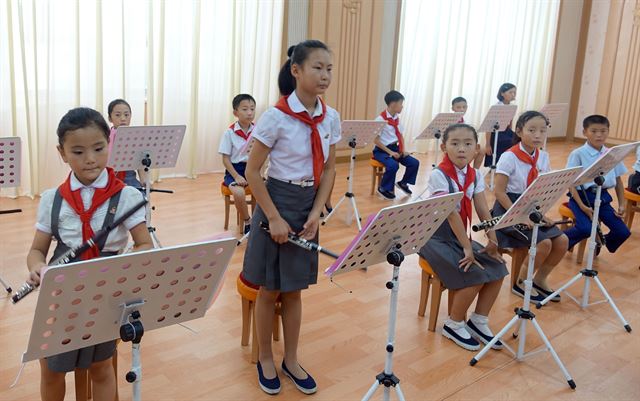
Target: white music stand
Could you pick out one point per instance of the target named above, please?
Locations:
(390, 235)
(355, 134)
(91, 302)
(539, 197)
(553, 111)
(497, 119)
(10, 160)
(145, 148)
(595, 173)
(436, 127)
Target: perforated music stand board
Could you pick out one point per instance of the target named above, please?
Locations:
(540, 196)
(440, 123)
(409, 224)
(605, 163)
(81, 304)
(132, 144)
(498, 113)
(10, 158)
(363, 131)
(554, 110)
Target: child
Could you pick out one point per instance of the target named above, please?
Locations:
(390, 151)
(506, 95)
(464, 266)
(119, 113)
(299, 136)
(91, 188)
(516, 170)
(234, 139)
(581, 199)
(634, 179)
(459, 105)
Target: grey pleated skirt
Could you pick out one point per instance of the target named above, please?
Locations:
(443, 252)
(284, 267)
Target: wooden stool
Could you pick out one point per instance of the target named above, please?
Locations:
(632, 206)
(83, 380)
(518, 255)
(376, 174)
(248, 292)
(566, 213)
(228, 201)
(430, 280)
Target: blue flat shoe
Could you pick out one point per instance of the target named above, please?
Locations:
(269, 386)
(307, 386)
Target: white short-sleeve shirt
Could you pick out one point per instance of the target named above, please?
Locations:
(388, 133)
(69, 224)
(517, 170)
(290, 139)
(438, 184)
(232, 144)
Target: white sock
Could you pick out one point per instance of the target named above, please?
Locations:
(458, 328)
(482, 323)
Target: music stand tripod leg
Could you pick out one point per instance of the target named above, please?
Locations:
(494, 157)
(349, 194)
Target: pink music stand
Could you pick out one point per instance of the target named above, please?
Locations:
(356, 134)
(146, 147)
(91, 302)
(436, 128)
(10, 159)
(553, 111)
(530, 208)
(497, 119)
(390, 235)
(595, 173)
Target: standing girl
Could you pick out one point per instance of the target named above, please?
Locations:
(299, 136)
(119, 113)
(516, 170)
(71, 213)
(464, 266)
(506, 95)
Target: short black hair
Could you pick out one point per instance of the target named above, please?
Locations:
(453, 127)
(503, 88)
(458, 99)
(81, 117)
(595, 119)
(239, 98)
(116, 102)
(393, 96)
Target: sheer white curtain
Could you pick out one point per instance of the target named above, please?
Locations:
(186, 59)
(469, 48)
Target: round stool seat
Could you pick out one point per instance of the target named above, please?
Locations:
(374, 163)
(246, 289)
(565, 211)
(424, 265)
(632, 196)
(227, 192)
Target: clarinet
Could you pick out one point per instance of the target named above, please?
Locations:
(485, 225)
(303, 243)
(74, 253)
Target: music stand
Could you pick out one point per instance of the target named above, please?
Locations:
(595, 173)
(552, 111)
(355, 134)
(10, 159)
(144, 148)
(91, 302)
(497, 119)
(539, 197)
(436, 127)
(390, 235)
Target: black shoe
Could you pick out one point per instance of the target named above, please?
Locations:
(520, 292)
(546, 293)
(386, 194)
(307, 386)
(404, 187)
(485, 339)
(269, 386)
(470, 343)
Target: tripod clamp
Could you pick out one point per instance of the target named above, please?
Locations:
(132, 330)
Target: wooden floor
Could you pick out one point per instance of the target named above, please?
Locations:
(344, 334)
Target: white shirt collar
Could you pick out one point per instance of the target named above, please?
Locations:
(463, 170)
(390, 116)
(297, 107)
(525, 150)
(100, 182)
(593, 151)
(238, 127)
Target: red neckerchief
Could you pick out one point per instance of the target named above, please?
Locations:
(394, 123)
(101, 195)
(316, 142)
(240, 132)
(527, 158)
(449, 169)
